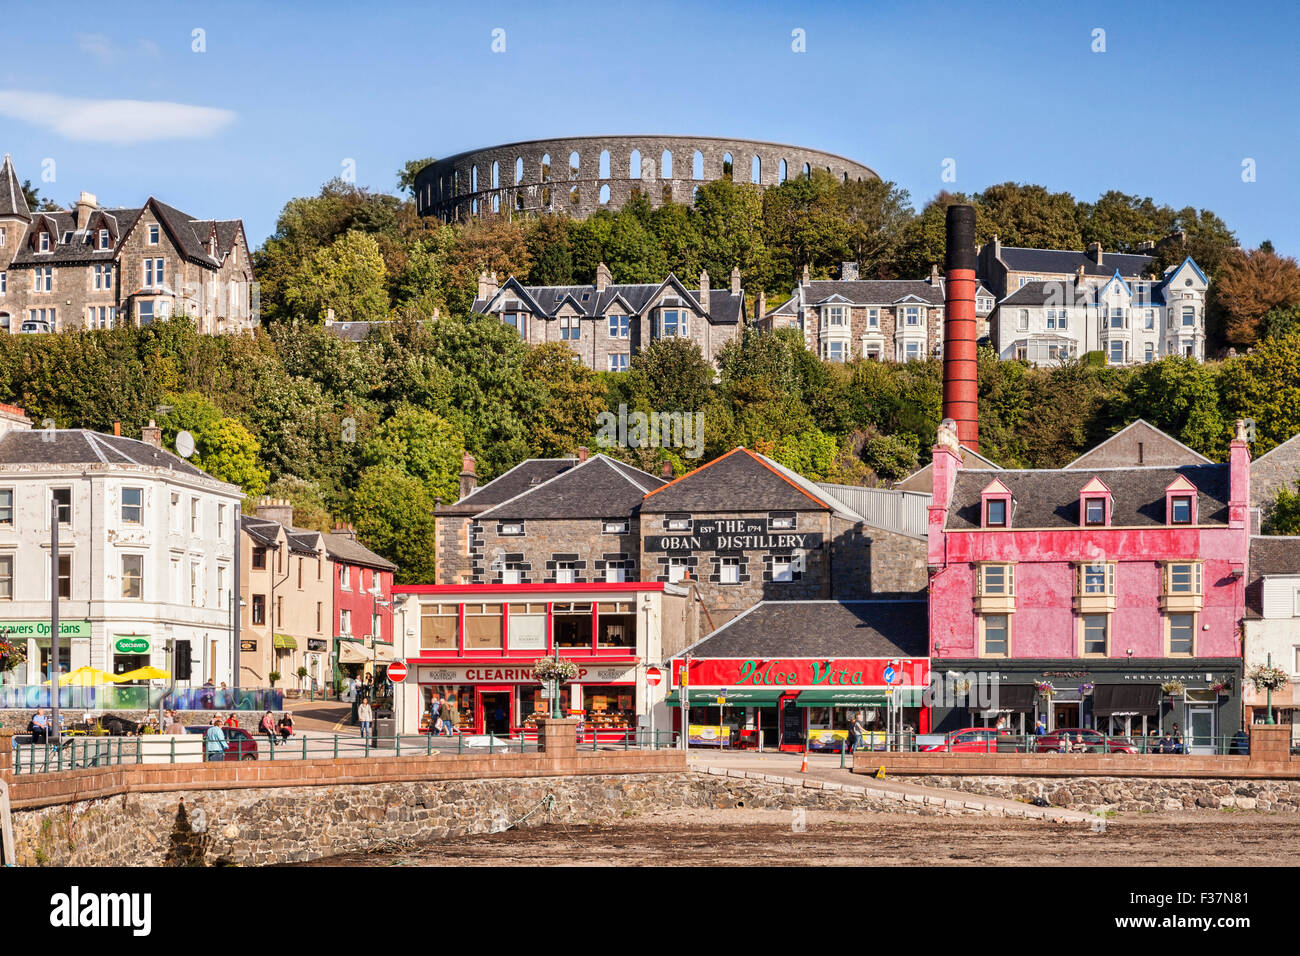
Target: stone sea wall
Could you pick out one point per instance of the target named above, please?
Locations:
(1132, 794)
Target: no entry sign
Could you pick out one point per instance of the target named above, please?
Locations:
(397, 671)
(653, 676)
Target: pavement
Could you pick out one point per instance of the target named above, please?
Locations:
(824, 772)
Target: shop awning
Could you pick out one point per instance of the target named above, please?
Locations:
(1009, 698)
(738, 698)
(352, 653)
(285, 642)
(867, 697)
(1124, 700)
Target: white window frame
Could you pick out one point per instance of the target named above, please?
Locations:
(619, 361)
(154, 234)
(619, 326)
(139, 508)
(783, 567)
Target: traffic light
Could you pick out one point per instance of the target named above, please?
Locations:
(182, 668)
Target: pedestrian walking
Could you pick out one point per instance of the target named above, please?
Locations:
(174, 725)
(435, 715)
(364, 716)
(214, 741)
(450, 716)
(856, 732)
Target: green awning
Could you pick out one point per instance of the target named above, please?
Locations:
(286, 642)
(867, 697)
(737, 698)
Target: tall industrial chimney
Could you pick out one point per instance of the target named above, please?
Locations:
(960, 371)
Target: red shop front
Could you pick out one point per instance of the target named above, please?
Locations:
(793, 703)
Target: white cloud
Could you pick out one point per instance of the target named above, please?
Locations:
(114, 121)
(109, 52)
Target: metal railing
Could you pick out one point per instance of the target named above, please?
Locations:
(1054, 743)
(101, 751)
(111, 697)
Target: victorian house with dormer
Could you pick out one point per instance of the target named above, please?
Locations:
(95, 268)
(605, 324)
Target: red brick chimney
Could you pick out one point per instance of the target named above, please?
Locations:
(582, 453)
(468, 479)
(152, 434)
(667, 471)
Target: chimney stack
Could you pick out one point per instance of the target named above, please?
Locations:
(86, 204)
(279, 510)
(704, 289)
(848, 272)
(735, 280)
(582, 453)
(1094, 252)
(667, 471)
(117, 429)
(468, 480)
(152, 434)
(487, 284)
(344, 530)
(960, 369)
(761, 307)
(807, 275)
(604, 278)
(934, 275)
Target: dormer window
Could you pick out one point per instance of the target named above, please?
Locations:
(44, 242)
(995, 505)
(1094, 504)
(1180, 502)
(103, 238)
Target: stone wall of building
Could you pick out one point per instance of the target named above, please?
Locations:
(1273, 471)
(451, 536)
(871, 562)
(539, 176)
(545, 542)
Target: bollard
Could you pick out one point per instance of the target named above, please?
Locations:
(336, 746)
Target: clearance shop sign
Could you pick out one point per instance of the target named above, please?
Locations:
(803, 673)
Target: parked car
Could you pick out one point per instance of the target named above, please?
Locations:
(34, 326)
(240, 744)
(1084, 740)
(968, 741)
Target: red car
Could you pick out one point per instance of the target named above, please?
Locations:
(969, 741)
(1083, 740)
(240, 744)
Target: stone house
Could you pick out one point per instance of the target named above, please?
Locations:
(898, 320)
(95, 268)
(1272, 627)
(606, 324)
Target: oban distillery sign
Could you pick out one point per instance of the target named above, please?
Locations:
(733, 534)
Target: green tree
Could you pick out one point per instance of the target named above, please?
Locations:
(633, 253)
(309, 508)
(572, 395)
(223, 447)
(422, 445)
(1265, 386)
(410, 169)
(1284, 516)
(730, 222)
(347, 276)
(671, 375)
(1180, 396)
(892, 457)
(548, 247)
(393, 514)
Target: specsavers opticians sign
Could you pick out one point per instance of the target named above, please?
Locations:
(131, 644)
(39, 629)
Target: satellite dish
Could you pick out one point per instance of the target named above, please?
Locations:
(184, 444)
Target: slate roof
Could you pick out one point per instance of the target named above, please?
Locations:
(822, 629)
(923, 478)
(1068, 292)
(262, 530)
(1049, 498)
(353, 331)
(349, 550)
(303, 541)
(12, 200)
(79, 446)
(724, 307)
(597, 488)
(876, 292)
(1067, 262)
(1269, 555)
(526, 474)
(741, 480)
(1161, 445)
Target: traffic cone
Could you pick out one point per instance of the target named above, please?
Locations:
(803, 767)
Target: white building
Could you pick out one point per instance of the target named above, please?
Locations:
(1272, 626)
(146, 550)
(1130, 321)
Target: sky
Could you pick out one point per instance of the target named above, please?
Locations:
(228, 110)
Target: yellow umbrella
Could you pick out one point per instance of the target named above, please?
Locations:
(84, 676)
(148, 672)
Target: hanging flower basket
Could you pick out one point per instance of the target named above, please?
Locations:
(961, 687)
(554, 669)
(1046, 689)
(1267, 677)
(1086, 689)
(1173, 688)
(11, 655)
(1223, 686)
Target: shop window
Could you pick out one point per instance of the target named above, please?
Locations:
(609, 708)
(461, 696)
(616, 624)
(527, 624)
(572, 625)
(438, 627)
(483, 630)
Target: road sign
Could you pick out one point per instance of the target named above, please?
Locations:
(889, 675)
(397, 671)
(653, 676)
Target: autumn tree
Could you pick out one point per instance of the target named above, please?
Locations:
(1248, 287)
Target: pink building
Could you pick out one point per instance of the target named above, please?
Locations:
(1121, 588)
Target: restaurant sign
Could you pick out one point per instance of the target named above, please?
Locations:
(21, 630)
(520, 674)
(732, 534)
(803, 673)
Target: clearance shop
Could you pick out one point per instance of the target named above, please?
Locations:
(475, 645)
(788, 704)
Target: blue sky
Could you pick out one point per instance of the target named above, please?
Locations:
(286, 92)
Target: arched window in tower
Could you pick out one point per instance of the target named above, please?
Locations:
(780, 172)
(756, 171)
(697, 165)
(546, 167)
(727, 166)
(666, 165)
(519, 170)
(574, 164)
(473, 179)
(496, 175)
(634, 165)
(604, 195)
(604, 164)
(807, 171)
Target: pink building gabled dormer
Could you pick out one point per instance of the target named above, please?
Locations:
(995, 505)
(1094, 504)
